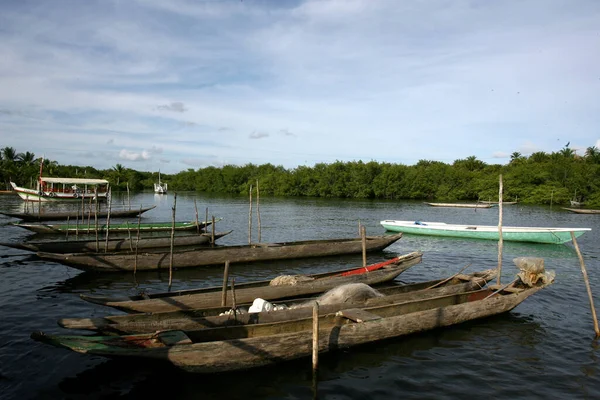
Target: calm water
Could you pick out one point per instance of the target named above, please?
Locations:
(542, 349)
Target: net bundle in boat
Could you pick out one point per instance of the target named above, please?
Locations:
(289, 280)
(532, 271)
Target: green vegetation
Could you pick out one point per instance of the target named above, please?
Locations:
(537, 179)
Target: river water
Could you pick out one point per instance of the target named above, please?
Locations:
(545, 348)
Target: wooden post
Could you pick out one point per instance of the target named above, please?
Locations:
(172, 240)
(82, 208)
(67, 236)
(96, 219)
(205, 219)
(233, 304)
(500, 238)
(250, 219)
(89, 214)
(128, 199)
(363, 236)
(212, 236)
(315, 338)
(108, 220)
(587, 284)
(197, 222)
(129, 236)
(77, 225)
(225, 281)
(137, 241)
(258, 211)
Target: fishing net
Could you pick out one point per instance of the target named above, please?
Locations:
(532, 271)
(289, 280)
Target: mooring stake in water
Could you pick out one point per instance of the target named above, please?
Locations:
(587, 284)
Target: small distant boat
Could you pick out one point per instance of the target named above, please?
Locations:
(506, 203)
(575, 203)
(64, 189)
(582, 210)
(132, 227)
(160, 188)
(509, 233)
(461, 205)
(57, 216)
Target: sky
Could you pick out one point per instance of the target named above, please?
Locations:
(176, 84)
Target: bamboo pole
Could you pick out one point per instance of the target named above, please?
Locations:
(129, 236)
(96, 220)
(205, 219)
(137, 242)
(233, 303)
(128, 199)
(363, 236)
(82, 209)
(197, 222)
(89, 214)
(587, 285)
(250, 218)
(225, 281)
(315, 338)
(108, 220)
(258, 211)
(212, 236)
(172, 240)
(77, 225)
(500, 238)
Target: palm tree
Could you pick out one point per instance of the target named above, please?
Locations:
(593, 154)
(118, 171)
(567, 152)
(27, 158)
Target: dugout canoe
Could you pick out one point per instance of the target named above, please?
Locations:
(210, 317)
(247, 292)
(461, 205)
(114, 262)
(154, 244)
(73, 215)
(582, 210)
(243, 346)
(81, 229)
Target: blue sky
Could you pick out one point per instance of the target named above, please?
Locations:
(177, 84)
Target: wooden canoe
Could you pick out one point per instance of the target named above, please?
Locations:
(210, 317)
(75, 228)
(247, 292)
(245, 346)
(461, 205)
(73, 215)
(582, 210)
(114, 262)
(154, 244)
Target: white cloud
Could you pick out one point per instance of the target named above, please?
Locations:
(357, 79)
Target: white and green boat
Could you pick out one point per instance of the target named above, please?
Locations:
(509, 233)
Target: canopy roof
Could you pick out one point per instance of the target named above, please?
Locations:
(77, 181)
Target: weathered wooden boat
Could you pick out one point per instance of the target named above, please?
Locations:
(154, 244)
(246, 346)
(213, 316)
(582, 210)
(509, 233)
(160, 187)
(460, 205)
(122, 227)
(73, 215)
(113, 262)
(246, 292)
